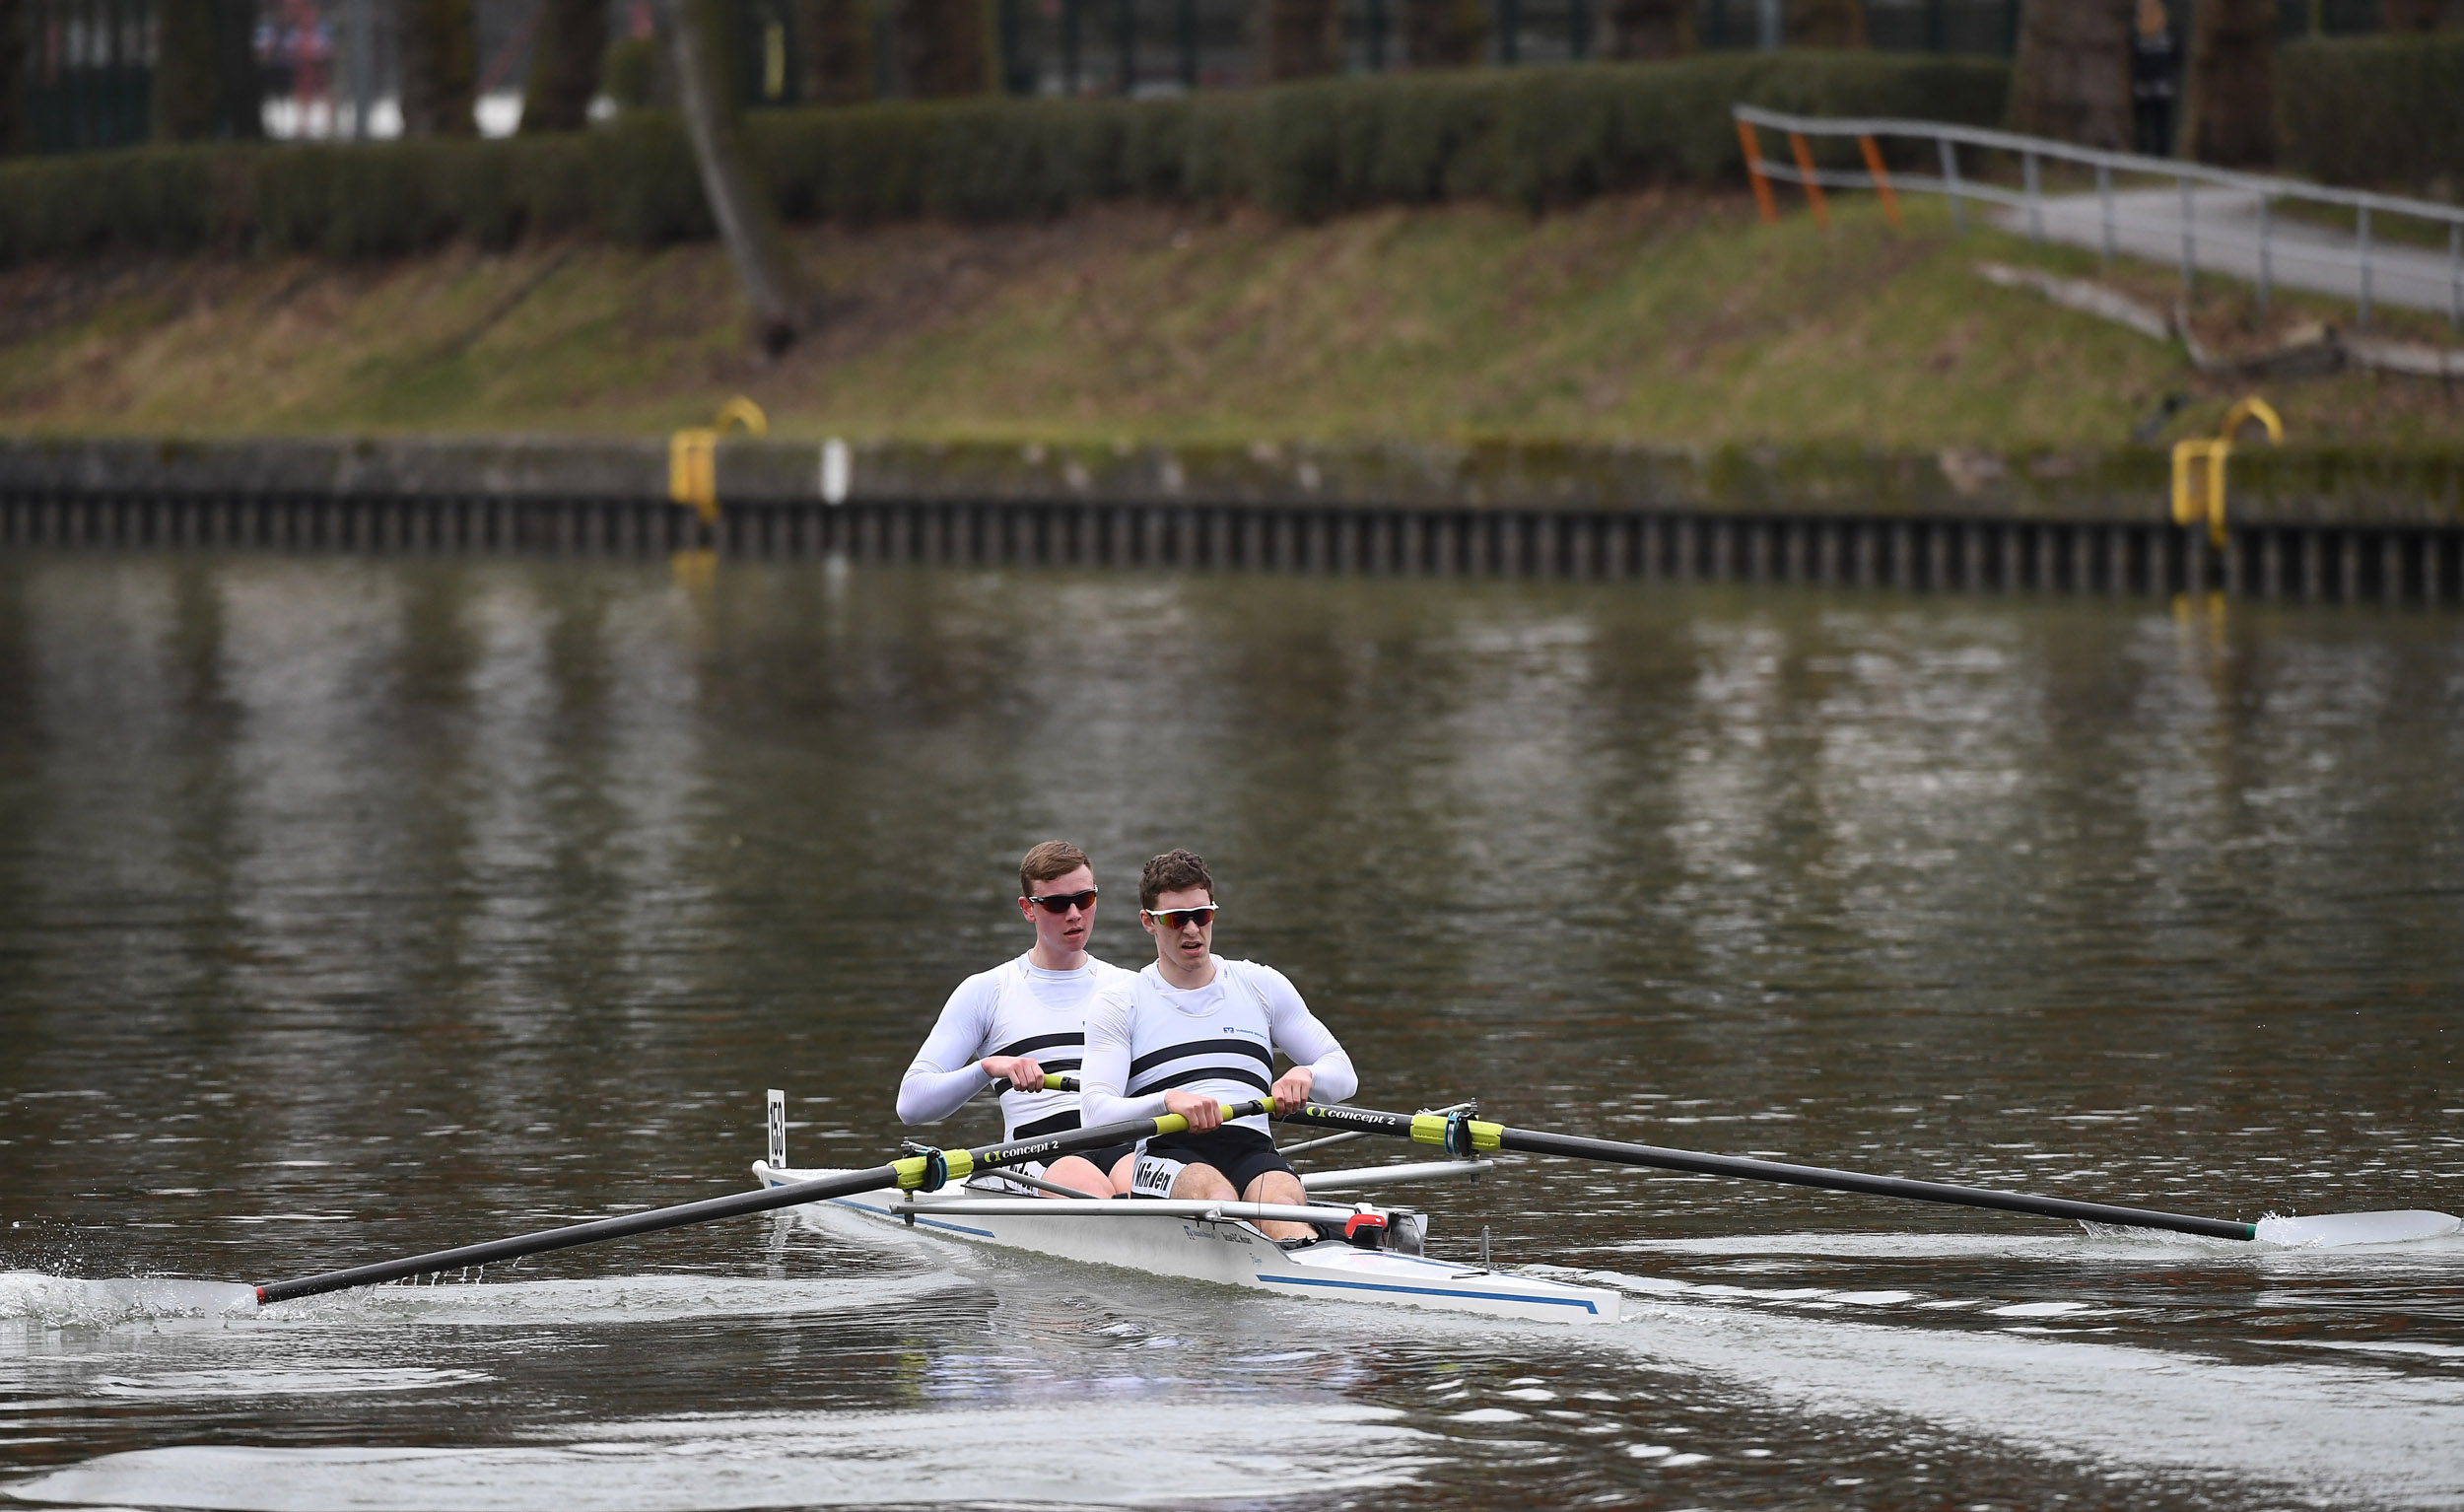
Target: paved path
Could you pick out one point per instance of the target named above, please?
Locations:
(2224, 238)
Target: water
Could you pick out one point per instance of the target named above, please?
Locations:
(350, 909)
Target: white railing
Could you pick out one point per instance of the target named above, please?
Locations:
(2361, 266)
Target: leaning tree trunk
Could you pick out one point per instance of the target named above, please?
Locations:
(440, 54)
(946, 46)
(2073, 76)
(565, 65)
(1444, 33)
(837, 61)
(1298, 39)
(1825, 22)
(2231, 113)
(1650, 29)
(747, 223)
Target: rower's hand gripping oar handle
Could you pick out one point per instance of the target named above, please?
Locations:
(919, 1170)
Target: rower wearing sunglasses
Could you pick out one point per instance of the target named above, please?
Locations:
(1193, 1031)
(1009, 1026)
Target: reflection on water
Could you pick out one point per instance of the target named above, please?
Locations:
(348, 909)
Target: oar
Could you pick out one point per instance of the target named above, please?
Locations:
(926, 1170)
(1463, 1136)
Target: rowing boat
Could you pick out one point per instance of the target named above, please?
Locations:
(1220, 1242)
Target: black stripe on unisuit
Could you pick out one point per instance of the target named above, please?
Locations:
(1214, 1047)
(1034, 1043)
(1182, 1078)
(1057, 1124)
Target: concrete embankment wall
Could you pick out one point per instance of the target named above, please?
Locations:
(2315, 523)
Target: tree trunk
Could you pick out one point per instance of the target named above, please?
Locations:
(1444, 33)
(838, 52)
(2411, 15)
(2073, 76)
(747, 221)
(565, 65)
(2231, 82)
(17, 127)
(186, 93)
(1297, 39)
(1826, 22)
(1650, 29)
(946, 46)
(439, 53)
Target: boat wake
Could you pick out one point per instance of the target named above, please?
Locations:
(61, 1301)
(1010, 1456)
(2341, 1431)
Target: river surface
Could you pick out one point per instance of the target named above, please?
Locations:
(352, 909)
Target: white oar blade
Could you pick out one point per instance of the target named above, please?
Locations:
(2340, 1228)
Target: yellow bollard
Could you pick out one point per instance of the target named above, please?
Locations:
(693, 457)
(2194, 495)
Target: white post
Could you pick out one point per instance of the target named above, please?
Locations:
(1950, 182)
(2455, 275)
(2190, 256)
(2035, 213)
(2265, 267)
(1770, 26)
(2105, 207)
(2362, 223)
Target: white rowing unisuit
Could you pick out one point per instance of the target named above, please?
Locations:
(1218, 1040)
(1018, 1008)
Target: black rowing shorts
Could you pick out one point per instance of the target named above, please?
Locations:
(1102, 1159)
(1241, 1154)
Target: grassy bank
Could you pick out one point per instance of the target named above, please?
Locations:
(1668, 316)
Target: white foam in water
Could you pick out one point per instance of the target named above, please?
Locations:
(330, 1381)
(2348, 1432)
(1008, 1454)
(2345, 1228)
(67, 1301)
(617, 1299)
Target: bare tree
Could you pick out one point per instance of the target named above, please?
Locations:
(1650, 29)
(564, 63)
(1826, 22)
(1297, 39)
(2072, 78)
(204, 72)
(439, 58)
(747, 221)
(837, 60)
(1444, 33)
(946, 46)
(2233, 82)
(2412, 15)
(16, 129)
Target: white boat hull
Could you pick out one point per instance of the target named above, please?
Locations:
(1225, 1251)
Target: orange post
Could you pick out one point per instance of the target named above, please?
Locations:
(1754, 170)
(1882, 181)
(1814, 190)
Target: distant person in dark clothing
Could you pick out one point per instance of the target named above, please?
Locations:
(2156, 68)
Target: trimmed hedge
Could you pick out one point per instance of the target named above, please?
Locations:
(2372, 109)
(1533, 137)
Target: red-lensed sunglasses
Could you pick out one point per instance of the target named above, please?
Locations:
(1064, 902)
(1182, 918)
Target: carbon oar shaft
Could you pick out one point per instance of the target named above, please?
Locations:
(1478, 1136)
(909, 1170)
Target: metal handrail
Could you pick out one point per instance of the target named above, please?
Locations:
(2032, 151)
